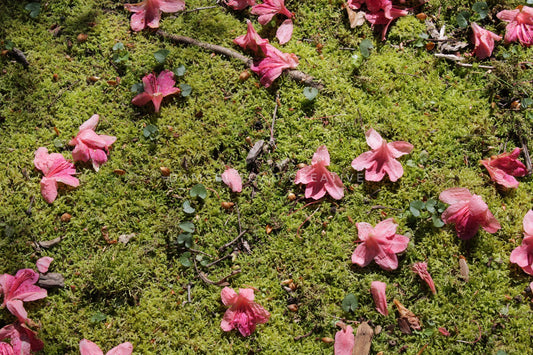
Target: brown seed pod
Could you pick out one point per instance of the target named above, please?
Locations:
(327, 340)
(164, 171)
(463, 268)
(65, 217)
(82, 37)
(291, 196)
(227, 205)
(293, 307)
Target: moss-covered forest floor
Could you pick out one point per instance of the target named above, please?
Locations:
(148, 291)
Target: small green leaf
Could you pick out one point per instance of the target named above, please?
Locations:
(137, 88)
(150, 131)
(349, 303)
(481, 8)
(98, 317)
(199, 257)
(185, 261)
(526, 102)
(441, 207)
(310, 93)
(34, 8)
(411, 163)
(180, 70)
(187, 208)
(462, 18)
(185, 90)
(437, 222)
(118, 46)
(204, 262)
(503, 352)
(182, 238)
(161, 55)
(415, 207)
(430, 205)
(365, 47)
(187, 226)
(198, 190)
(423, 157)
(58, 143)
(9, 45)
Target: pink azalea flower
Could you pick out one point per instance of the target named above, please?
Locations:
(504, 167)
(243, 314)
(483, 41)
(267, 10)
(421, 269)
(272, 65)
(377, 289)
(55, 169)
(383, 13)
(232, 178)
(6, 349)
(156, 88)
(22, 339)
(239, 4)
(468, 212)
(91, 146)
(379, 243)
(344, 341)
(87, 347)
(523, 255)
(18, 289)
(520, 26)
(251, 41)
(355, 4)
(148, 12)
(318, 178)
(44, 263)
(381, 159)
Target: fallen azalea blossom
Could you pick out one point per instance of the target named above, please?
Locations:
(381, 159)
(251, 40)
(91, 146)
(87, 347)
(18, 289)
(483, 41)
(239, 4)
(379, 243)
(244, 314)
(155, 89)
(232, 178)
(523, 255)
(382, 12)
(520, 26)
(55, 169)
(148, 12)
(344, 340)
(22, 339)
(6, 349)
(267, 10)
(468, 212)
(377, 289)
(44, 263)
(421, 269)
(272, 65)
(504, 167)
(318, 178)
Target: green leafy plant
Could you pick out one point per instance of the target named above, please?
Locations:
(150, 132)
(161, 55)
(180, 70)
(198, 190)
(431, 209)
(349, 303)
(120, 55)
(481, 8)
(185, 90)
(365, 47)
(310, 93)
(34, 8)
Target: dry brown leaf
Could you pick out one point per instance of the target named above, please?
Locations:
(409, 316)
(363, 339)
(463, 268)
(356, 18)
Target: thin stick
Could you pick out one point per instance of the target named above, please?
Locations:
(233, 241)
(218, 260)
(304, 206)
(238, 218)
(307, 219)
(198, 9)
(200, 252)
(526, 154)
(271, 142)
(189, 292)
(299, 337)
(32, 200)
(295, 75)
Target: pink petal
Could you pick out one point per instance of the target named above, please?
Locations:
(150, 84)
(98, 157)
(344, 341)
(228, 296)
(171, 5)
(362, 255)
(91, 139)
(321, 156)
(142, 99)
(16, 307)
(49, 189)
(421, 270)
(305, 175)
(166, 82)
(284, 32)
(528, 223)
(315, 190)
(44, 263)
(24, 288)
(386, 228)
(373, 139)
(156, 100)
(377, 288)
(520, 255)
(251, 40)
(364, 230)
(387, 260)
(41, 159)
(91, 123)
(6, 349)
(394, 169)
(239, 4)
(260, 314)
(81, 152)
(247, 294)
(454, 195)
(399, 148)
(232, 178)
(364, 161)
(153, 15)
(138, 21)
(68, 180)
(122, 349)
(507, 15)
(398, 243)
(227, 321)
(334, 186)
(87, 347)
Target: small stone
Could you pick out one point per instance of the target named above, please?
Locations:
(164, 171)
(291, 196)
(254, 152)
(244, 75)
(227, 205)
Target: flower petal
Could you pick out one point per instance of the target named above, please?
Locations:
(284, 32)
(91, 123)
(373, 139)
(454, 195)
(44, 263)
(122, 349)
(87, 347)
(344, 341)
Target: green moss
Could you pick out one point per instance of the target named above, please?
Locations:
(137, 292)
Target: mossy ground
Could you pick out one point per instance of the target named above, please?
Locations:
(453, 116)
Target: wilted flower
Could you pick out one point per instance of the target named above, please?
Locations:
(523, 255)
(468, 212)
(251, 40)
(483, 41)
(232, 178)
(87, 347)
(377, 289)
(318, 178)
(520, 26)
(381, 159)
(55, 169)
(244, 314)
(239, 4)
(156, 88)
(18, 289)
(421, 269)
(504, 167)
(22, 339)
(344, 340)
(267, 10)
(91, 146)
(379, 243)
(272, 65)
(148, 12)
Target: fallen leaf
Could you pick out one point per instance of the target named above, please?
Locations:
(409, 316)
(125, 238)
(363, 339)
(463, 268)
(356, 18)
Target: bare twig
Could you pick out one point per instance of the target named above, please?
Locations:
(222, 282)
(60, 93)
(304, 206)
(28, 211)
(219, 260)
(299, 337)
(526, 154)
(198, 9)
(293, 74)
(233, 241)
(189, 292)
(458, 60)
(380, 207)
(271, 142)
(307, 219)
(200, 252)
